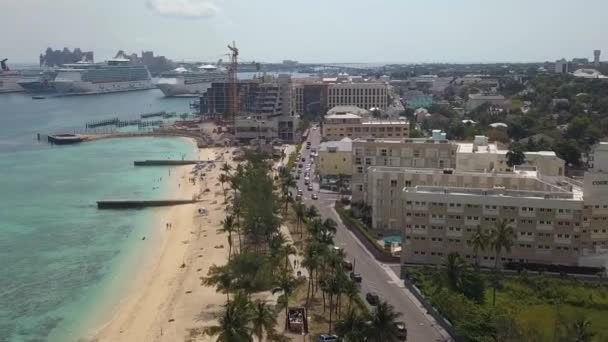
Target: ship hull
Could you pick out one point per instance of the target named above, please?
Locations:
(37, 87)
(8, 84)
(178, 89)
(89, 88)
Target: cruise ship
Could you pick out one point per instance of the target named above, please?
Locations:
(184, 82)
(116, 75)
(39, 82)
(8, 79)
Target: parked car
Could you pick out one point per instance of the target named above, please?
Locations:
(310, 187)
(298, 197)
(401, 330)
(356, 277)
(327, 338)
(300, 166)
(300, 192)
(297, 176)
(347, 265)
(315, 196)
(372, 298)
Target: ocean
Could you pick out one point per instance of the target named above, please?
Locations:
(60, 257)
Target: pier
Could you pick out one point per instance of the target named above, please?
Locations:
(138, 204)
(168, 162)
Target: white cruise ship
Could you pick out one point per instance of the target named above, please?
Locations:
(184, 82)
(9, 79)
(117, 75)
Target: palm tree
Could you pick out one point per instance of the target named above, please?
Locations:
(502, 238)
(312, 212)
(382, 324)
(223, 179)
(300, 211)
(351, 291)
(454, 269)
(228, 226)
(233, 322)
(480, 241)
(286, 283)
(222, 278)
(311, 261)
(352, 327)
(226, 168)
(263, 320)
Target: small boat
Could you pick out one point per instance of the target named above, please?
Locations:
(37, 97)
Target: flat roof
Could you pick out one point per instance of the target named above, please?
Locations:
(344, 145)
(385, 122)
(343, 116)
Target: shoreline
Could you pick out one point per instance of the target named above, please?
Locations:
(159, 303)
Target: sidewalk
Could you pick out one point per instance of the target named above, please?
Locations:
(292, 258)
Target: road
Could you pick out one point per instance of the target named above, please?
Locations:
(377, 277)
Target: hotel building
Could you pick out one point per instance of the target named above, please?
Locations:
(338, 126)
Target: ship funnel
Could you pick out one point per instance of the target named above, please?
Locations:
(3, 64)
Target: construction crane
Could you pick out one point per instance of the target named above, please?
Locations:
(233, 101)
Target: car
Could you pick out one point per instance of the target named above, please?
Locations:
(300, 166)
(327, 338)
(356, 277)
(308, 147)
(306, 181)
(303, 159)
(313, 150)
(372, 298)
(299, 172)
(310, 187)
(347, 265)
(300, 192)
(308, 143)
(309, 165)
(401, 330)
(315, 196)
(314, 128)
(297, 175)
(298, 197)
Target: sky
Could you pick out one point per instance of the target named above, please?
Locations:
(339, 31)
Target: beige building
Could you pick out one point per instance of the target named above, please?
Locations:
(559, 223)
(335, 158)
(435, 152)
(338, 126)
(486, 157)
(361, 94)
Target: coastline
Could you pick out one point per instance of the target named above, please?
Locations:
(164, 298)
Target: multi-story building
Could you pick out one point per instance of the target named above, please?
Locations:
(487, 157)
(335, 158)
(338, 126)
(361, 94)
(476, 100)
(435, 152)
(559, 223)
(562, 66)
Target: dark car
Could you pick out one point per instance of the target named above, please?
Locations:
(372, 298)
(356, 277)
(327, 338)
(300, 165)
(347, 265)
(401, 330)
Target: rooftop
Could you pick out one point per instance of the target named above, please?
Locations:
(342, 116)
(344, 145)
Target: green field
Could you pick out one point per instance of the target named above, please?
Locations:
(539, 308)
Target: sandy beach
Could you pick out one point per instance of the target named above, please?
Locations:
(166, 297)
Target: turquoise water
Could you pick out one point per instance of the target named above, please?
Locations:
(392, 239)
(59, 255)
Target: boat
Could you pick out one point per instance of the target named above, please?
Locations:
(185, 82)
(39, 82)
(37, 97)
(119, 74)
(9, 79)
(65, 139)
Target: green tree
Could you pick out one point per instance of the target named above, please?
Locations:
(578, 331)
(229, 227)
(501, 238)
(222, 278)
(352, 327)
(233, 322)
(286, 283)
(263, 320)
(382, 324)
(479, 241)
(454, 269)
(515, 155)
(223, 179)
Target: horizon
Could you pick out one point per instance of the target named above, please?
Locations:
(413, 32)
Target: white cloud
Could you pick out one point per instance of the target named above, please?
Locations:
(185, 8)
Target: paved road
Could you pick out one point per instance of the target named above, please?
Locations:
(377, 277)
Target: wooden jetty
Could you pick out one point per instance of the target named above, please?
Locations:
(137, 204)
(167, 162)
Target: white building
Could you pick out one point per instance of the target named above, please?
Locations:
(361, 94)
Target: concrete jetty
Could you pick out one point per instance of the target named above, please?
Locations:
(136, 204)
(168, 162)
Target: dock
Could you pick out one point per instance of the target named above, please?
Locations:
(137, 204)
(168, 162)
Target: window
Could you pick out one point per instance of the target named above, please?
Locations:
(393, 182)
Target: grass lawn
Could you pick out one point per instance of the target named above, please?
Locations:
(534, 302)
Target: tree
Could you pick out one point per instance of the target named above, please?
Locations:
(454, 269)
(233, 322)
(502, 238)
(352, 327)
(223, 179)
(222, 278)
(515, 156)
(382, 324)
(312, 261)
(226, 168)
(300, 211)
(287, 284)
(480, 241)
(263, 320)
(228, 226)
